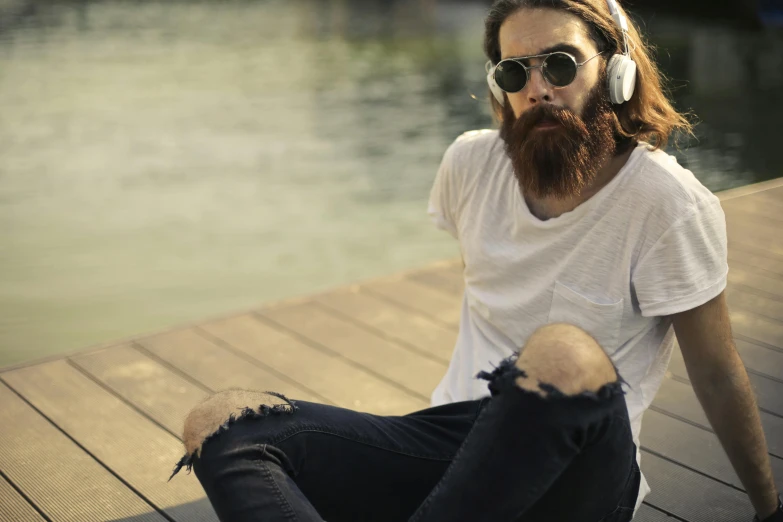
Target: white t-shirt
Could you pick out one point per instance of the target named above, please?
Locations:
(651, 243)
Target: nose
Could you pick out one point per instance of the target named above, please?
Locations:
(538, 90)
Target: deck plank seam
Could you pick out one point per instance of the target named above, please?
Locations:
(409, 308)
(686, 380)
(749, 310)
(171, 367)
(94, 457)
(380, 333)
(24, 496)
(695, 424)
(755, 314)
(689, 468)
(765, 375)
(683, 380)
(325, 349)
(119, 396)
(749, 370)
(667, 513)
(762, 344)
(222, 343)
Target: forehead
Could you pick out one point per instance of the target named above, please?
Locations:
(530, 31)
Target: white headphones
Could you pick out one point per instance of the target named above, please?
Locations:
(620, 71)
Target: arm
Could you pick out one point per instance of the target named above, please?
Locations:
(722, 386)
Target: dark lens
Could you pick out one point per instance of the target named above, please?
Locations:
(559, 69)
(510, 76)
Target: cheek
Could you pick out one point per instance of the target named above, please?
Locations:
(517, 105)
(575, 97)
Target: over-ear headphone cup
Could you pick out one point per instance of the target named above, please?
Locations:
(497, 92)
(628, 78)
(621, 76)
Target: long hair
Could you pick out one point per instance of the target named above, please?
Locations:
(649, 115)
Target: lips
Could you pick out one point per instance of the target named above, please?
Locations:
(546, 124)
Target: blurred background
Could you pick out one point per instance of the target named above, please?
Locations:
(168, 161)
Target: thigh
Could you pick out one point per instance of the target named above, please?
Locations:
(355, 466)
(600, 484)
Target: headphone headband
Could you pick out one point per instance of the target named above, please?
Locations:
(620, 20)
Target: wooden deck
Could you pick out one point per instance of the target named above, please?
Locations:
(93, 436)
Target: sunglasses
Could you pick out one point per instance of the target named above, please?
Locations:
(559, 69)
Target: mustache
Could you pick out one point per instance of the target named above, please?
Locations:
(546, 113)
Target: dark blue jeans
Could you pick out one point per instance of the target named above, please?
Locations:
(512, 457)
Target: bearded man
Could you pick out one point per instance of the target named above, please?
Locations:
(585, 247)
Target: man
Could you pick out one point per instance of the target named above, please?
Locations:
(583, 246)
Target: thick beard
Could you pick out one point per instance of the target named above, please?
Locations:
(563, 161)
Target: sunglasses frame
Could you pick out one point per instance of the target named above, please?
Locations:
(527, 68)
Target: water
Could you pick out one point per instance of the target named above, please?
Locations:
(165, 162)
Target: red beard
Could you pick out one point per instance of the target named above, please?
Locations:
(561, 161)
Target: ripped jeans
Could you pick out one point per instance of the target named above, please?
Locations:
(515, 456)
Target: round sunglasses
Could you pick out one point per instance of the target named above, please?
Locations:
(558, 68)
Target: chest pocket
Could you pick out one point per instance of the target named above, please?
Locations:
(600, 320)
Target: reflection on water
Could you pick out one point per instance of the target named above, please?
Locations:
(161, 162)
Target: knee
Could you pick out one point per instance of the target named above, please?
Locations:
(566, 357)
(224, 407)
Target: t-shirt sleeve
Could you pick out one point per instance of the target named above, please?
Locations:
(444, 195)
(687, 266)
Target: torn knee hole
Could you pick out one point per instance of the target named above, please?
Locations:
(508, 374)
(218, 412)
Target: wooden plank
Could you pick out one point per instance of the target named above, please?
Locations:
(759, 328)
(754, 303)
(679, 399)
(754, 233)
(749, 208)
(14, 507)
(647, 513)
(455, 281)
(439, 281)
(61, 479)
(757, 358)
(769, 225)
(429, 302)
(126, 442)
(341, 381)
(757, 248)
(776, 192)
(691, 496)
(771, 199)
(753, 282)
(145, 383)
(422, 333)
(760, 358)
(694, 447)
(388, 360)
(764, 265)
(218, 368)
(769, 391)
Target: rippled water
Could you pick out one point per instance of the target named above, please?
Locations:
(163, 162)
